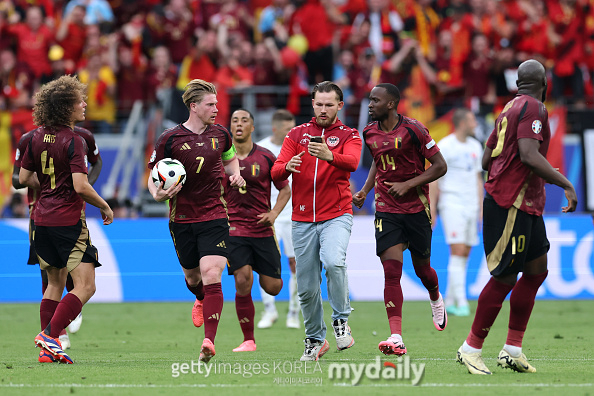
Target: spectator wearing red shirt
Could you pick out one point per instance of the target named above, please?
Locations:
(178, 30)
(316, 20)
(477, 72)
(72, 35)
(16, 82)
(33, 40)
(236, 17)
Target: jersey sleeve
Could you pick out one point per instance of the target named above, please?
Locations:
(532, 121)
(159, 151)
(77, 155)
(21, 147)
(93, 154)
(427, 146)
(492, 141)
(27, 158)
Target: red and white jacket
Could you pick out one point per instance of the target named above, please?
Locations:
(321, 190)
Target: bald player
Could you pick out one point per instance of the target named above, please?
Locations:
(514, 235)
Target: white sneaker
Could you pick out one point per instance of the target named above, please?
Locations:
(74, 326)
(314, 350)
(440, 316)
(293, 320)
(65, 341)
(268, 319)
(342, 332)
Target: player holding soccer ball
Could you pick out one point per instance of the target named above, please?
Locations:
(197, 215)
(514, 236)
(399, 146)
(252, 244)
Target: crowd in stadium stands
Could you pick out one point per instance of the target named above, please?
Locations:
(441, 53)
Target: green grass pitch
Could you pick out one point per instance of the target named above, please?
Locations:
(129, 349)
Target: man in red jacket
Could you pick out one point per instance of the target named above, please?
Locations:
(320, 155)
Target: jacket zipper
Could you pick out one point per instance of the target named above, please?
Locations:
(315, 183)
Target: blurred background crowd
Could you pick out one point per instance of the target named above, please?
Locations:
(266, 54)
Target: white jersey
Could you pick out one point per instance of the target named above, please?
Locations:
(460, 186)
(285, 215)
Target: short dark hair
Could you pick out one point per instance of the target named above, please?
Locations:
(392, 90)
(459, 116)
(247, 111)
(282, 115)
(327, 86)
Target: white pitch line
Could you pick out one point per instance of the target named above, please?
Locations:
(392, 384)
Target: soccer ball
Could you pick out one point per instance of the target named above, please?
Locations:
(169, 171)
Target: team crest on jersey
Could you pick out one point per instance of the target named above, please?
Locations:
(398, 142)
(214, 143)
(153, 156)
(333, 141)
(255, 170)
(536, 126)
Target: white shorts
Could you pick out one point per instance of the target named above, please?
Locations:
(460, 226)
(282, 229)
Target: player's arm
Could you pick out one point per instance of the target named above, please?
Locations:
(89, 195)
(437, 169)
(231, 165)
(268, 219)
(288, 161)
(15, 178)
(486, 158)
(29, 179)
(95, 170)
(359, 197)
(533, 159)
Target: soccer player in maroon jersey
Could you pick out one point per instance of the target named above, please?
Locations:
(94, 159)
(252, 243)
(197, 214)
(514, 235)
(55, 162)
(399, 146)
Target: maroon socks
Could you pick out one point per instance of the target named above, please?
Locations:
(245, 313)
(521, 303)
(213, 305)
(66, 311)
(393, 294)
(428, 277)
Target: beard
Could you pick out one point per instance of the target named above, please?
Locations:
(324, 123)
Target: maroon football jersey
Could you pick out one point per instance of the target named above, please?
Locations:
(92, 156)
(93, 150)
(246, 203)
(55, 153)
(400, 155)
(510, 182)
(201, 197)
(32, 194)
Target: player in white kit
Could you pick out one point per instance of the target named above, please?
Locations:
(282, 122)
(459, 198)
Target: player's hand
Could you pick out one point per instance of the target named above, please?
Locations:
(571, 200)
(107, 215)
(267, 219)
(397, 190)
(236, 180)
(320, 150)
(294, 163)
(359, 199)
(163, 195)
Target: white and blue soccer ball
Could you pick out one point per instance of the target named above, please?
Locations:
(169, 171)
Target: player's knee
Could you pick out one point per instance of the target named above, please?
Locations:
(273, 288)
